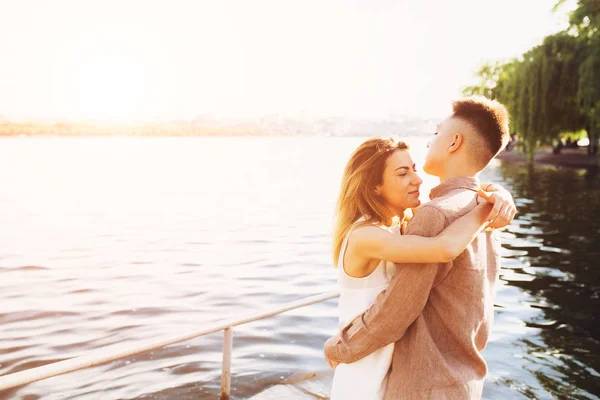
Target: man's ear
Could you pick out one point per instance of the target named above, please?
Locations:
(457, 140)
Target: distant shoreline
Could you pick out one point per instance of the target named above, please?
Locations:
(264, 126)
(574, 158)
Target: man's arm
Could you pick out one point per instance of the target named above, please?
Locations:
(395, 308)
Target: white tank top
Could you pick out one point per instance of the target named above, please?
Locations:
(358, 294)
(365, 379)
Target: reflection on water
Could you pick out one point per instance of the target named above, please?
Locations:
(558, 232)
(125, 239)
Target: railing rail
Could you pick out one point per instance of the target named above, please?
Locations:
(119, 351)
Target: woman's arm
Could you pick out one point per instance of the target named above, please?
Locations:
(375, 243)
(504, 204)
(490, 187)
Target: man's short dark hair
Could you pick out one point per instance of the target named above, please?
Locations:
(488, 117)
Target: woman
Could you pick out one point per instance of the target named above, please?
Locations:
(380, 186)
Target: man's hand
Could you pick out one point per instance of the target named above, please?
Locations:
(504, 207)
(330, 345)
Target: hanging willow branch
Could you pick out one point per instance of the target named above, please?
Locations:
(553, 87)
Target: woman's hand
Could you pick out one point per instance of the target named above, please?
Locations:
(504, 207)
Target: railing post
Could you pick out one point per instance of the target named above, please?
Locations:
(119, 351)
(226, 373)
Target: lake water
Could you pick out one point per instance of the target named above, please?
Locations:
(117, 240)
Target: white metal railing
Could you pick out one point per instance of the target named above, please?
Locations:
(118, 351)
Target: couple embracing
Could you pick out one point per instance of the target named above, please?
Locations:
(417, 289)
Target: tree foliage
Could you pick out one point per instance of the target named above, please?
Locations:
(555, 86)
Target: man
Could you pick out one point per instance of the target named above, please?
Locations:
(439, 315)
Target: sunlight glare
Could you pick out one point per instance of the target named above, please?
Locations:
(110, 87)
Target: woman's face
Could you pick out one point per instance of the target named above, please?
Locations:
(399, 188)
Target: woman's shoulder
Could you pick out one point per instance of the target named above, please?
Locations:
(370, 234)
(366, 229)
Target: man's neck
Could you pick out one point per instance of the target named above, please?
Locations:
(459, 171)
(457, 175)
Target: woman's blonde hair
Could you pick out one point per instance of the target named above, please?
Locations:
(363, 172)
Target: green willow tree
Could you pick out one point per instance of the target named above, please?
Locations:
(585, 24)
(553, 87)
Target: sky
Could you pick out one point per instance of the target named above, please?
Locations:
(134, 60)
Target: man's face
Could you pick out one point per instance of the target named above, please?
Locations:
(437, 153)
